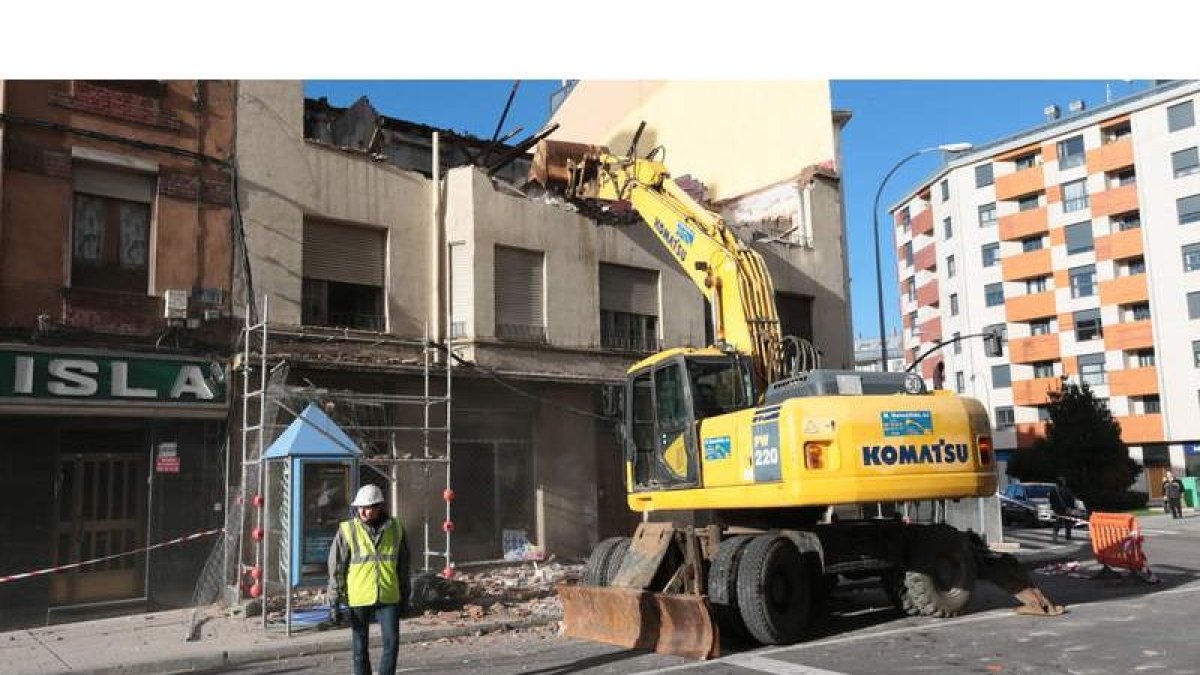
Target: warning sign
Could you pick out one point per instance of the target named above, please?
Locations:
(167, 460)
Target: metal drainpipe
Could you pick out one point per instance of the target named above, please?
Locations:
(435, 248)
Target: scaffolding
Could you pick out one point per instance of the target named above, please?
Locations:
(405, 439)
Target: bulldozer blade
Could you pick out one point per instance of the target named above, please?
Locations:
(680, 625)
(1006, 572)
(554, 162)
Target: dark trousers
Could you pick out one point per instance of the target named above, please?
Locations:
(1063, 522)
(389, 625)
(1176, 507)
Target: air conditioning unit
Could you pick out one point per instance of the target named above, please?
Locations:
(175, 304)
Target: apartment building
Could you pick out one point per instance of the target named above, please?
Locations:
(115, 332)
(1078, 240)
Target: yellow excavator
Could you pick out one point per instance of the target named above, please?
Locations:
(745, 446)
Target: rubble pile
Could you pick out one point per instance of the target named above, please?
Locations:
(512, 592)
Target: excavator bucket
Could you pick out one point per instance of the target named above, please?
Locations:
(564, 166)
(626, 615)
(1006, 572)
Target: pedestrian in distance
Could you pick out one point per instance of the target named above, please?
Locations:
(368, 570)
(1172, 489)
(1062, 501)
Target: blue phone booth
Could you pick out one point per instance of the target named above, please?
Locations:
(312, 474)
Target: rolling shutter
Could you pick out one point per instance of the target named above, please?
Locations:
(518, 289)
(349, 254)
(460, 291)
(628, 289)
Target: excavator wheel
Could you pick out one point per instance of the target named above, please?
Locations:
(722, 588)
(940, 575)
(775, 591)
(595, 571)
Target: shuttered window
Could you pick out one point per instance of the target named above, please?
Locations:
(460, 291)
(519, 296)
(348, 254)
(628, 308)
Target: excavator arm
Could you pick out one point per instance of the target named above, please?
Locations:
(731, 275)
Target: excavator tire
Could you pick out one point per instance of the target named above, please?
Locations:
(775, 591)
(722, 588)
(940, 575)
(897, 592)
(615, 559)
(595, 571)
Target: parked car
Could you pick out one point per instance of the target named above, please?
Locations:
(1027, 504)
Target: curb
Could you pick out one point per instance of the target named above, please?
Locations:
(337, 642)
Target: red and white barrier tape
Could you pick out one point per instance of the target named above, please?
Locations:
(50, 570)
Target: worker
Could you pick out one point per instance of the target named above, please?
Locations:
(368, 570)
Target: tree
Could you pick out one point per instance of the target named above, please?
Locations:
(1082, 445)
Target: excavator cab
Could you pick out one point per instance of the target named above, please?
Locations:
(666, 403)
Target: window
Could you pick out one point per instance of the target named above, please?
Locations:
(947, 228)
(994, 294)
(1043, 413)
(1000, 329)
(1043, 369)
(990, 254)
(1087, 325)
(1028, 202)
(1091, 369)
(1004, 418)
(1143, 358)
(1035, 285)
(1133, 266)
(1032, 244)
(1148, 405)
(1139, 311)
(629, 308)
(954, 304)
(1191, 257)
(950, 267)
(1070, 153)
(1039, 327)
(795, 314)
(987, 214)
(343, 275)
(110, 241)
(905, 218)
(912, 290)
(960, 385)
(519, 294)
(912, 321)
(1193, 300)
(907, 248)
(1121, 178)
(1180, 116)
(1116, 132)
(945, 187)
(1027, 161)
(1001, 377)
(1079, 237)
(1196, 353)
(1083, 281)
(957, 342)
(1188, 209)
(1126, 221)
(1185, 162)
(1075, 195)
(983, 175)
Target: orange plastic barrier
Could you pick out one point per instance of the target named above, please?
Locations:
(1117, 541)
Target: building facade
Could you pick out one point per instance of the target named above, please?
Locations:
(115, 271)
(1077, 240)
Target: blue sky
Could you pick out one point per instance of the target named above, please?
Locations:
(891, 118)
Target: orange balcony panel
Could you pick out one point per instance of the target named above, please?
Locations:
(1070, 366)
(1116, 200)
(1027, 307)
(1141, 428)
(922, 223)
(1058, 236)
(1035, 391)
(1133, 381)
(926, 258)
(927, 295)
(1053, 194)
(1033, 348)
(1124, 290)
(1066, 322)
(1024, 224)
(1013, 185)
(1126, 336)
(1028, 432)
(1120, 245)
(1049, 151)
(931, 330)
(1112, 156)
(1025, 265)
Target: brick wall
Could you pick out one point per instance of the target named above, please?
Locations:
(115, 103)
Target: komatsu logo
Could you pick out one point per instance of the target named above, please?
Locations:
(936, 453)
(672, 239)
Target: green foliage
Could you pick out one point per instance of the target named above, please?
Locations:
(1083, 445)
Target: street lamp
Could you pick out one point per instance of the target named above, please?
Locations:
(948, 147)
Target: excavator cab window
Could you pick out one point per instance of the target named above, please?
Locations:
(663, 429)
(719, 385)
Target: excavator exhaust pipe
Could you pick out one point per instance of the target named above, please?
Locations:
(565, 167)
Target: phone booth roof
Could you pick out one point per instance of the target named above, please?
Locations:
(313, 434)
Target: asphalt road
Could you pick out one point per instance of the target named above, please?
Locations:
(1112, 627)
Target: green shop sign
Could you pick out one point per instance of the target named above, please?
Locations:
(100, 377)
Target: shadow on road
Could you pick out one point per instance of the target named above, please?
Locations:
(589, 662)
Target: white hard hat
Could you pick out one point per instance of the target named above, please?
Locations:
(368, 495)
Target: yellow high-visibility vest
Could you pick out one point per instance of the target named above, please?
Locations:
(373, 573)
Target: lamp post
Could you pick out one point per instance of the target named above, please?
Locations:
(948, 147)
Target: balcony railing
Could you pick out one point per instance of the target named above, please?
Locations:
(356, 321)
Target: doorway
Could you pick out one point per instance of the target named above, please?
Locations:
(100, 510)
